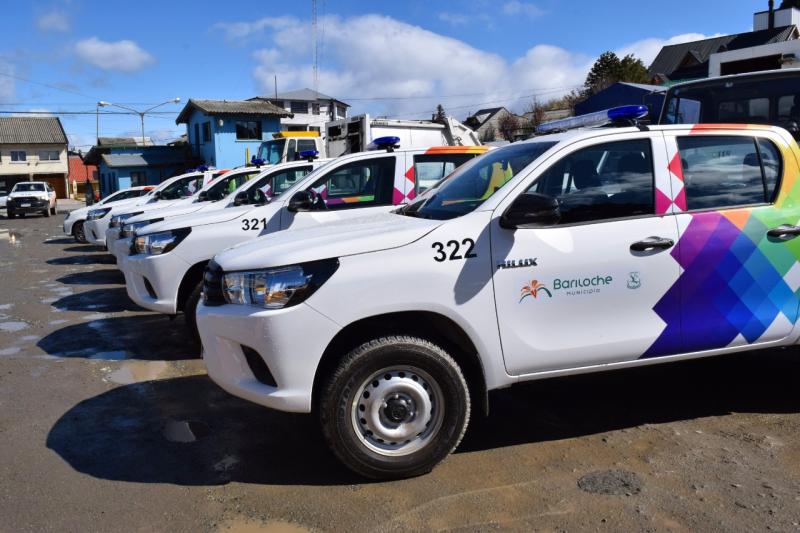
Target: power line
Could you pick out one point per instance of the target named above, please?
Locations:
(54, 87)
(154, 114)
(545, 90)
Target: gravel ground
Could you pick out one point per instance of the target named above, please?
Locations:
(108, 422)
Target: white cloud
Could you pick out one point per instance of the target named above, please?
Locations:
(35, 112)
(242, 30)
(648, 49)
(53, 21)
(123, 56)
(515, 7)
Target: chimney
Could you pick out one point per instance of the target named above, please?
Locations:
(771, 14)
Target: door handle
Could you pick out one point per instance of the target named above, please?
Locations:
(784, 232)
(652, 243)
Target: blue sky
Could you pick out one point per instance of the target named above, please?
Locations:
(396, 59)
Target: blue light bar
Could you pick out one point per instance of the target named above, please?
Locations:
(308, 154)
(256, 161)
(201, 168)
(385, 143)
(598, 118)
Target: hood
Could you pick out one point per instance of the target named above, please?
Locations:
(82, 212)
(148, 207)
(203, 217)
(337, 239)
(170, 211)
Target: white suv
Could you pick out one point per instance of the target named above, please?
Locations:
(75, 219)
(31, 197)
(564, 254)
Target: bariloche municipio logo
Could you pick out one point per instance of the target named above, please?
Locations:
(534, 288)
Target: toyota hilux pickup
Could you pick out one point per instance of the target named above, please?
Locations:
(603, 249)
(75, 219)
(165, 269)
(31, 197)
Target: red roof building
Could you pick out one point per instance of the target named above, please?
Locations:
(80, 172)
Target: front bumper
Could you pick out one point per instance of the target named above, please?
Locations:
(68, 225)
(119, 247)
(163, 274)
(96, 231)
(291, 342)
(27, 206)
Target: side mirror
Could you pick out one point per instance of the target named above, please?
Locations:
(531, 209)
(240, 198)
(301, 201)
(157, 195)
(203, 196)
(259, 197)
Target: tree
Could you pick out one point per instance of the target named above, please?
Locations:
(610, 69)
(508, 126)
(533, 116)
(633, 70)
(440, 115)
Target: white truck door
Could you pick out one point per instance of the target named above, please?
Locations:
(588, 289)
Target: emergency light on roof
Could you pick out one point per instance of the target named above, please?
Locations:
(308, 154)
(627, 113)
(201, 168)
(385, 143)
(256, 161)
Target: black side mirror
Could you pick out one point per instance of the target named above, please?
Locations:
(240, 198)
(259, 197)
(203, 196)
(301, 201)
(157, 195)
(531, 209)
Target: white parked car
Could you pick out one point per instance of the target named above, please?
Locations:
(165, 273)
(3, 198)
(595, 250)
(75, 219)
(31, 197)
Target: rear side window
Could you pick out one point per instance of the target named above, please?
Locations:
(359, 184)
(429, 169)
(721, 172)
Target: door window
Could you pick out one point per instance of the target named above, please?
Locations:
(429, 169)
(772, 165)
(358, 184)
(721, 172)
(275, 184)
(605, 181)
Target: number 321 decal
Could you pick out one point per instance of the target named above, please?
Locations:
(254, 224)
(455, 247)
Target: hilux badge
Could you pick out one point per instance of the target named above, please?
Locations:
(518, 263)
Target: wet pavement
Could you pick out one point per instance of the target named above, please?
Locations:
(108, 422)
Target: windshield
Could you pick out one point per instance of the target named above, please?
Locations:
(182, 188)
(271, 151)
(470, 185)
(123, 195)
(28, 187)
(226, 185)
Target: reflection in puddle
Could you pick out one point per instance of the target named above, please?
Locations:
(116, 355)
(137, 371)
(13, 326)
(5, 307)
(10, 351)
(185, 431)
(11, 237)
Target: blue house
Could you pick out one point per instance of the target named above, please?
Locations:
(126, 162)
(623, 93)
(226, 133)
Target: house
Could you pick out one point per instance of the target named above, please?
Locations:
(309, 109)
(226, 133)
(33, 149)
(486, 122)
(124, 162)
(773, 44)
(623, 93)
(79, 174)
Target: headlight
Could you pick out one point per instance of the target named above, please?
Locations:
(117, 220)
(129, 229)
(276, 288)
(159, 243)
(95, 214)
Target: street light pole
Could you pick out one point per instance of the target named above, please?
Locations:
(140, 113)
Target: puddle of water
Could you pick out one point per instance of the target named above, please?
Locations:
(13, 326)
(29, 338)
(243, 525)
(11, 237)
(137, 371)
(10, 351)
(96, 316)
(48, 301)
(184, 431)
(57, 322)
(114, 355)
(5, 307)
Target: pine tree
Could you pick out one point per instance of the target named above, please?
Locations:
(440, 115)
(610, 69)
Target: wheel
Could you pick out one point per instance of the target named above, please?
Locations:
(22, 215)
(190, 311)
(78, 232)
(46, 212)
(394, 407)
(54, 210)
(11, 214)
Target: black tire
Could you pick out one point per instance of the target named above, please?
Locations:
(11, 214)
(400, 357)
(46, 212)
(78, 232)
(22, 215)
(54, 210)
(190, 311)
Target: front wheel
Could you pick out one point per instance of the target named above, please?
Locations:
(54, 210)
(46, 212)
(11, 214)
(395, 407)
(190, 311)
(78, 232)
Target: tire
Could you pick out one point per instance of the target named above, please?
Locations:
(22, 215)
(46, 212)
(358, 388)
(54, 210)
(78, 232)
(190, 311)
(11, 214)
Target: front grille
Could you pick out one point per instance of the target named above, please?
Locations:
(258, 367)
(212, 285)
(26, 200)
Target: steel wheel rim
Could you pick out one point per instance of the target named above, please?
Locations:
(397, 411)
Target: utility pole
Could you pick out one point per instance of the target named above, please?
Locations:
(315, 40)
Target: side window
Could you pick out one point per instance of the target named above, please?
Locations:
(275, 184)
(720, 172)
(291, 150)
(601, 182)
(304, 145)
(429, 169)
(773, 167)
(358, 184)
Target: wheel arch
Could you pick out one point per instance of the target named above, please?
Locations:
(432, 326)
(189, 281)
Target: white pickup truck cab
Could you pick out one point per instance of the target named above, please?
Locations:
(598, 249)
(75, 219)
(165, 272)
(168, 192)
(31, 197)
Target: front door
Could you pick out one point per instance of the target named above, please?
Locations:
(589, 289)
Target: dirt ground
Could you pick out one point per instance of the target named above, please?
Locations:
(108, 422)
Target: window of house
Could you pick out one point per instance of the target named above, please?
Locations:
(18, 156)
(601, 182)
(49, 155)
(248, 130)
(206, 132)
(341, 111)
(429, 169)
(138, 178)
(298, 107)
(720, 171)
(358, 184)
(315, 108)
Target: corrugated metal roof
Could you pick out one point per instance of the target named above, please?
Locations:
(142, 160)
(303, 95)
(231, 107)
(671, 58)
(31, 130)
(124, 141)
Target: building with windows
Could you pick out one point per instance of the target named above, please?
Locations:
(226, 133)
(124, 162)
(309, 109)
(33, 149)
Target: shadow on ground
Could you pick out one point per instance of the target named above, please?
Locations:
(151, 337)
(105, 259)
(98, 300)
(65, 240)
(107, 276)
(119, 435)
(85, 248)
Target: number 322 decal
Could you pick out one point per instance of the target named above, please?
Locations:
(441, 254)
(252, 224)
